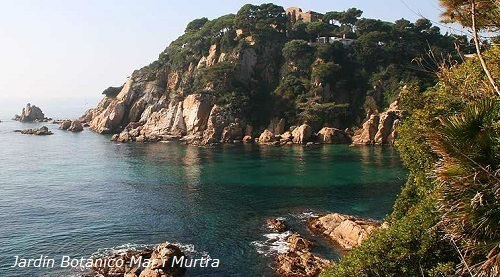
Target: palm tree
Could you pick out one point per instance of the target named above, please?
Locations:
(468, 173)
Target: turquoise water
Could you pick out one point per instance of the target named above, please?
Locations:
(73, 194)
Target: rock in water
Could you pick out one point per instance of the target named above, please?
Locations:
(42, 131)
(302, 134)
(298, 260)
(65, 124)
(31, 113)
(160, 263)
(73, 126)
(333, 135)
(76, 126)
(345, 230)
(266, 137)
(276, 225)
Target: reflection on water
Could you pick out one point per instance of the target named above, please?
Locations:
(71, 194)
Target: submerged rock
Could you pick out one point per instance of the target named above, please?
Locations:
(347, 231)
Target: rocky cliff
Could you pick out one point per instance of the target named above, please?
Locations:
(257, 74)
(380, 128)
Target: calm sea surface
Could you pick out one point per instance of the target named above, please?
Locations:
(78, 194)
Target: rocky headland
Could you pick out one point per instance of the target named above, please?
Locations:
(223, 81)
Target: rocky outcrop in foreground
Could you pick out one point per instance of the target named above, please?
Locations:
(31, 113)
(42, 131)
(381, 128)
(298, 260)
(345, 230)
(160, 264)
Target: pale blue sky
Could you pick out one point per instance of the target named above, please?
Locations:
(61, 54)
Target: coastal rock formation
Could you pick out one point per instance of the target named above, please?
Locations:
(31, 113)
(345, 230)
(109, 120)
(276, 225)
(380, 128)
(267, 137)
(302, 134)
(72, 126)
(76, 126)
(42, 131)
(298, 260)
(277, 125)
(333, 135)
(160, 263)
(65, 124)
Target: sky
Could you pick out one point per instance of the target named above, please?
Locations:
(60, 55)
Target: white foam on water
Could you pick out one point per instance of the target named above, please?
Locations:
(274, 243)
(188, 249)
(305, 215)
(122, 249)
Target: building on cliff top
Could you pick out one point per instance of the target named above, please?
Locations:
(296, 14)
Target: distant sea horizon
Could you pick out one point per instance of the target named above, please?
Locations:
(56, 108)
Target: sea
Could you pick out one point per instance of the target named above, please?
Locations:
(79, 195)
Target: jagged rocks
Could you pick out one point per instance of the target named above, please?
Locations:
(277, 125)
(247, 139)
(298, 260)
(31, 113)
(72, 126)
(65, 124)
(110, 119)
(332, 135)
(42, 131)
(276, 225)
(196, 109)
(347, 231)
(302, 134)
(266, 137)
(380, 128)
(157, 262)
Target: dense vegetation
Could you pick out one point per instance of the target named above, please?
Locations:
(299, 79)
(446, 221)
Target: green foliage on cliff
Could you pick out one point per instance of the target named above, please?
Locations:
(279, 70)
(447, 216)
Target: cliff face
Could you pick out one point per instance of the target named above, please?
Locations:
(233, 77)
(153, 104)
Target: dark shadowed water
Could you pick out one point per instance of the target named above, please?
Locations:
(76, 194)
